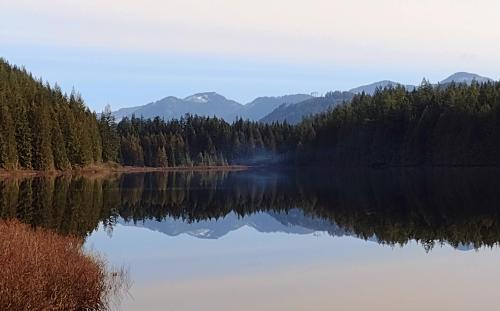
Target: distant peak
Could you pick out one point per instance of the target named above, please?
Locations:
(169, 98)
(207, 94)
(463, 74)
(203, 97)
(465, 77)
(371, 88)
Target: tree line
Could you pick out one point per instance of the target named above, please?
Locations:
(42, 128)
(446, 125)
(195, 140)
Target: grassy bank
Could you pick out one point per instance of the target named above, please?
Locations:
(41, 270)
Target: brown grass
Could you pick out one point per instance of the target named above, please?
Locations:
(41, 270)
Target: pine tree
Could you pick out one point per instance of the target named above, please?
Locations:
(42, 142)
(8, 151)
(161, 157)
(109, 136)
(23, 137)
(48, 129)
(61, 161)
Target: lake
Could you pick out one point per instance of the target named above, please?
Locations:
(265, 239)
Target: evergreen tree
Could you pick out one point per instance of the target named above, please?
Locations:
(23, 137)
(41, 128)
(61, 161)
(42, 143)
(161, 157)
(109, 136)
(8, 152)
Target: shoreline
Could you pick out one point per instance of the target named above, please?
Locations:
(104, 170)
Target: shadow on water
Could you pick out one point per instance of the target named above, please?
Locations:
(460, 207)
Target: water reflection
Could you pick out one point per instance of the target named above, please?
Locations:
(293, 221)
(455, 206)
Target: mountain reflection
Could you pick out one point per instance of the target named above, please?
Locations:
(455, 206)
(293, 221)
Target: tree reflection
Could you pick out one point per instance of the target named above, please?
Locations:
(455, 206)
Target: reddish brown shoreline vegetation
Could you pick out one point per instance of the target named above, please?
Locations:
(42, 270)
(108, 169)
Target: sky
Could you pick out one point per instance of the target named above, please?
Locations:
(128, 53)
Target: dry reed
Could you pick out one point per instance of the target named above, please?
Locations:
(42, 270)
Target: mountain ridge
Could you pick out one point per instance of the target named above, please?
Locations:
(372, 87)
(210, 104)
(293, 222)
(291, 108)
(293, 114)
(465, 77)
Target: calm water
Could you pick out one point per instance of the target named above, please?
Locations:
(284, 240)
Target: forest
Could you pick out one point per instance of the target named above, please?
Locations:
(444, 125)
(195, 140)
(41, 128)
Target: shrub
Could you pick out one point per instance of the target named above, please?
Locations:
(41, 270)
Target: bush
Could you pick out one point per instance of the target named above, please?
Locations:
(41, 270)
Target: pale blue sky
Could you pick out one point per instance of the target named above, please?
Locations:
(128, 52)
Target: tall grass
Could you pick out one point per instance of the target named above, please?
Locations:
(41, 270)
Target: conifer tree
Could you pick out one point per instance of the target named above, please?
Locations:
(161, 157)
(46, 130)
(42, 142)
(61, 161)
(8, 152)
(23, 137)
(109, 136)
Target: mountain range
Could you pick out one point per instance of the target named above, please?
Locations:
(209, 104)
(292, 222)
(289, 108)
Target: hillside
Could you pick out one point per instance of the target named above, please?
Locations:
(465, 77)
(294, 113)
(371, 88)
(261, 106)
(455, 125)
(40, 127)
